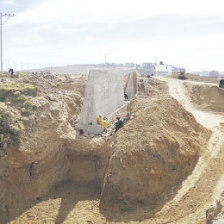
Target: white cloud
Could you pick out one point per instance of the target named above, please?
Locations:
(195, 52)
(87, 11)
(9, 2)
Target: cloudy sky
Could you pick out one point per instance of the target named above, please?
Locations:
(188, 33)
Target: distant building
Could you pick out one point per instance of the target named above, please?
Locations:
(213, 73)
(128, 64)
(201, 73)
(147, 69)
(176, 69)
(162, 69)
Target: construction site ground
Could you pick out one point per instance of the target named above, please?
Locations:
(73, 203)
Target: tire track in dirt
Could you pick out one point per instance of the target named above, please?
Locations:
(205, 183)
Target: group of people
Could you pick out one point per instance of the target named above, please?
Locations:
(119, 123)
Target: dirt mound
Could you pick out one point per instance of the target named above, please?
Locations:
(151, 155)
(206, 97)
(142, 164)
(36, 117)
(152, 88)
(198, 78)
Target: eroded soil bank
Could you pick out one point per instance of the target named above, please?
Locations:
(51, 170)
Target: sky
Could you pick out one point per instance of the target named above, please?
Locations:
(186, 33)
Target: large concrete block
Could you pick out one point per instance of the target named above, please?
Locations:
(131, 86)
(104, 94)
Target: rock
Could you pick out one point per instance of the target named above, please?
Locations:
(4, 146)
(152, 171)
(89, 222)
(23, 110)
(17, 93)
(213, 211)
(2, 153)
(3, 167)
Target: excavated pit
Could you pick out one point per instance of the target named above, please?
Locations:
(27, 185)
(143, 164)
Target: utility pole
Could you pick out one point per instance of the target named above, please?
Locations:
(1, 35)
(105, 58)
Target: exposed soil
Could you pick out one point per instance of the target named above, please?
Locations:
(162, 167)
(151, 156)
(198, 78)
(206, 97)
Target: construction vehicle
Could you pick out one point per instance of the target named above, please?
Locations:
(221, 83)
(182, 74)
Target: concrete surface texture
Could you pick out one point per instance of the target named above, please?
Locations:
(104, 94)
(131, 87)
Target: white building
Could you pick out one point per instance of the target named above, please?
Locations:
(163, 69)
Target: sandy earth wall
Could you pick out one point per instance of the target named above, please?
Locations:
(138, 165)
(151, 155)
(206, 97)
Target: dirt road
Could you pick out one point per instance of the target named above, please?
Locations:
(205, 183)
(198, 191)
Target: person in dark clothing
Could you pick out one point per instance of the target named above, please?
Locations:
(125, 96)
(127, 117)
(119, 124)
(11, 71)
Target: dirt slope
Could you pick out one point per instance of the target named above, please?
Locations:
(152, 154)
(205, 184)
(200, 79)
(136, 172)
(44, 151)
(206, 97)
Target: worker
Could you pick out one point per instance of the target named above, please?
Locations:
(125, 96)
(119, 124)
(127, 117)
(105, 123)
(100, 119)
(11, 71)
(102, 122)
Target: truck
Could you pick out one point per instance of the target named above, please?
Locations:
(182, 74)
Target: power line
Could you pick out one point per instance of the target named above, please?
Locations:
(7, 15)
